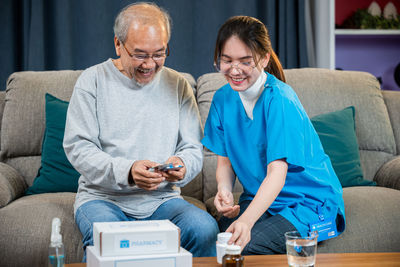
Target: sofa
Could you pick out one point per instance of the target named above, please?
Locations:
(372, 212)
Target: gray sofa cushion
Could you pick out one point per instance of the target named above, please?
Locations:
(206, 87)
(392, 100)
(12, 184)
(27, 166)
(389, 174)
(23, 117)
(2, 97)
(334, 90)
(40, 210)
(369, 226)
(207, 84)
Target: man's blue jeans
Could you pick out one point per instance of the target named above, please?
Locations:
(198, 228)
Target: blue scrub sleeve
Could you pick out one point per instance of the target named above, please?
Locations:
(287, 135)
(214, 132)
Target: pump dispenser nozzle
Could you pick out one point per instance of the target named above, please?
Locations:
(55, 231)
(56, 248)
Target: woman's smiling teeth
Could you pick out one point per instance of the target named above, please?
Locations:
(237, 79)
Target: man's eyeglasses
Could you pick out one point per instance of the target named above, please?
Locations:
(157, 57)
(225, 66)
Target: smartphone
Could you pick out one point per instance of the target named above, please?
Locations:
(166, 167)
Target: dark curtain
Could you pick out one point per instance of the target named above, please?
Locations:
(75, 34)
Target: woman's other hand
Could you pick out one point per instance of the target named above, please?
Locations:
(224, 203)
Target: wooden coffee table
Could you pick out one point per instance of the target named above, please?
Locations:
(323, 260)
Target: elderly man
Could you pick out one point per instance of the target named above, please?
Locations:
(125, 117)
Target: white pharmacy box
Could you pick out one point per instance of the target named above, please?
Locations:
(136, 237)
(181, 259)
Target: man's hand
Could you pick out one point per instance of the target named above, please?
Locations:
(241, 233)
(144, 178)
(175, 176)
(224, 203)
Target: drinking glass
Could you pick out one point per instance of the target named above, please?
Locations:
(301, 250)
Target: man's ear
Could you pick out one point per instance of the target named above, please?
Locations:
(118, 46)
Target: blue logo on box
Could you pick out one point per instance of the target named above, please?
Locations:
(124, 244)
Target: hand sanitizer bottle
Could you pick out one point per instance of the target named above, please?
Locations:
(56, 249)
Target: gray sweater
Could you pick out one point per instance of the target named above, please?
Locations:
(112, 122)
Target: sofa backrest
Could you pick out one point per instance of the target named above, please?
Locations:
(2, 102)
(23, 120)
(322, 91)
(392, 101)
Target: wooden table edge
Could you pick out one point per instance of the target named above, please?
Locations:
(323, 259)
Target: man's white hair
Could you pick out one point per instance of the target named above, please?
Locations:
(128, 14)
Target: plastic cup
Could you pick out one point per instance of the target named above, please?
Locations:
(301, 250)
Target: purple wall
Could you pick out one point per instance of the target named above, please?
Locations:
(377, 54)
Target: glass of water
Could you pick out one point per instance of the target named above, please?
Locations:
(301, 250)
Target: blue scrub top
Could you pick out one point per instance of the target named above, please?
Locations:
(280, 129)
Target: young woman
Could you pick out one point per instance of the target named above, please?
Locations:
(262, 134)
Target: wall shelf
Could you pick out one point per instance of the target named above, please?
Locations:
(366, 32)
(370, 50)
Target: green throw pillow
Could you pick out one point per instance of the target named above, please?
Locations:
(56, 174)
(336, 131)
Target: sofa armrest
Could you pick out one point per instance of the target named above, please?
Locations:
(389, 174)
(392, 101)
(12, 184)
